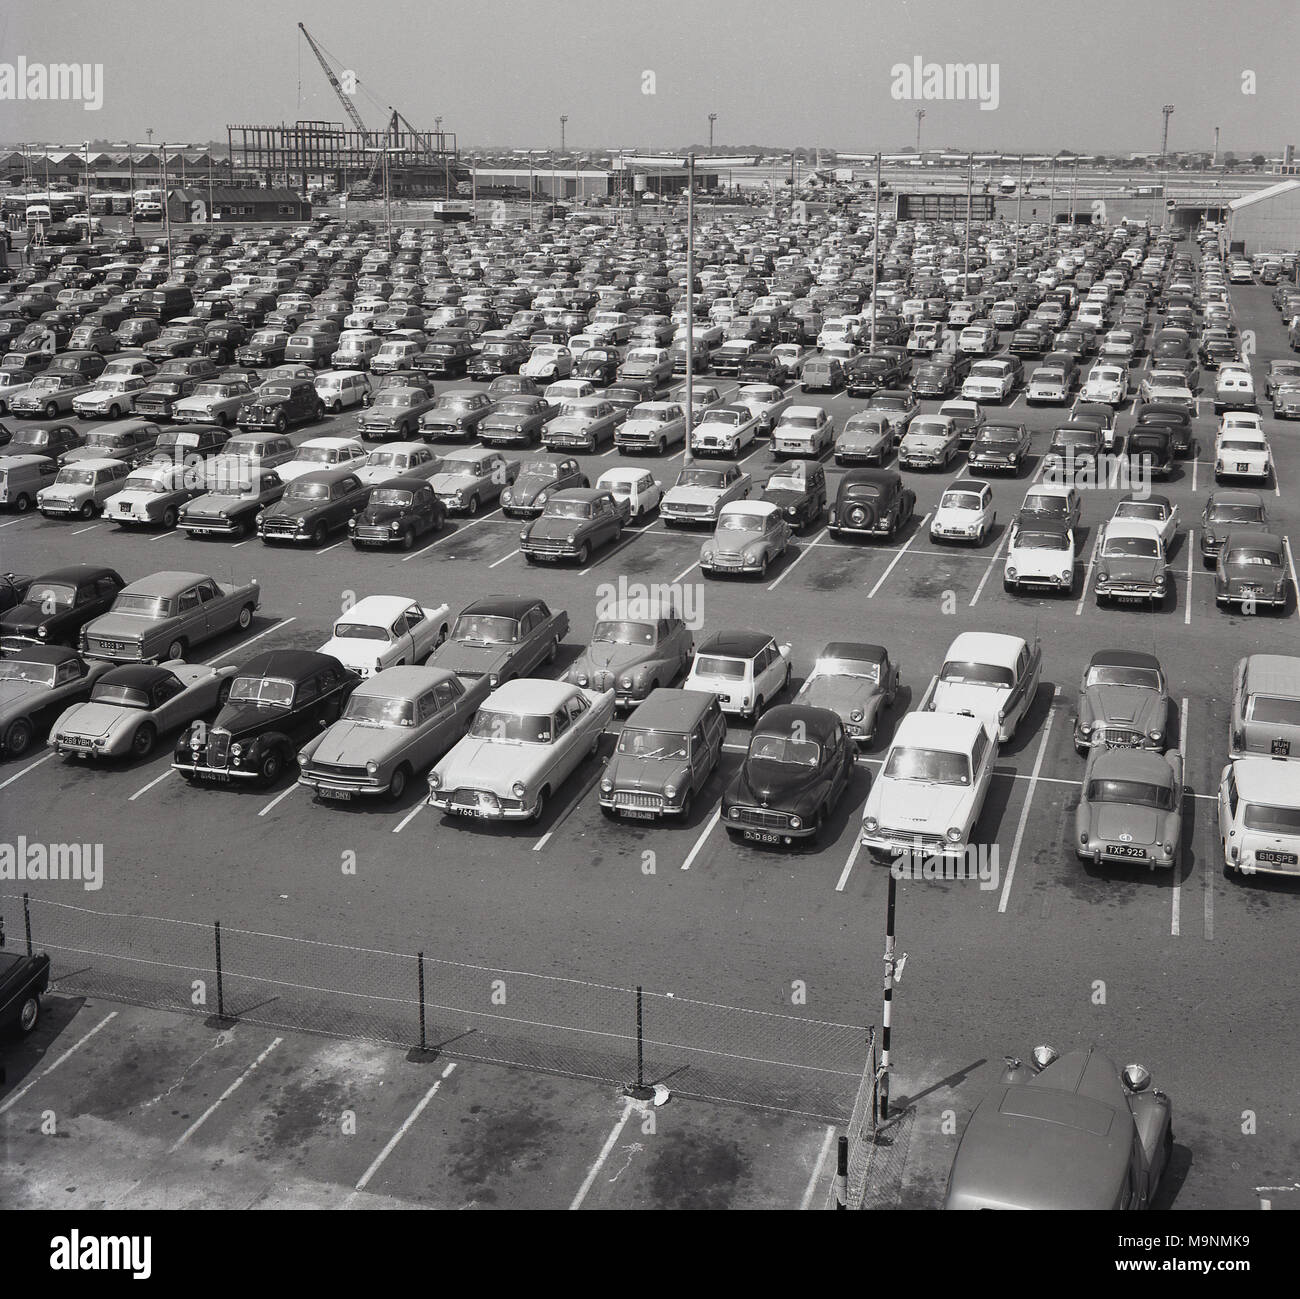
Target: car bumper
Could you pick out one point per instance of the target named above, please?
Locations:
(485, 808)
(1116, 854)
(218, 775)
(343, 787)
(1132, 590)
(209, 527)
(769, 834)
(886, 846)
(634, 805)
(964, 532)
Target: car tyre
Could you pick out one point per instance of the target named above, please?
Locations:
(143, 740)
(114, 412)
(539, 808)
(51, 410)
(684, 813)
(22, 504)
(169, 518)
(397, 783)
(176, 650)
(29, 1015)
(18, 739)
(268, 770)
(319, 534)
(87, 510)
(472, 508)
(583, 555)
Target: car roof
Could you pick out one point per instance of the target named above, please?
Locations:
(168, 582)
(749, 506)
(77, 573)
(664, 709)
(1133, 528)
(817, 723)
(1134, 499)
(858, 651)
(43, 654)
(404, 682)
(1126, 764)
(986, 647)
(1124, 659)
(1234, 496)
(291, 664)
(1255, 540)
(383, 607)
(1274, 674)
(531, 695)
(948, 731)
(501, 606)
(735, 644)
(137, 676)
(1268, 780)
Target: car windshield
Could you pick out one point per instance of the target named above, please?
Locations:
(1137, 793)
(379, 711)
(1041, 539)
(539, 469)
(513, 728)
(398, 399)
(624, 633)
(1270, 819)
(930, 766)
(390, 496)
(1110, 675)
(105, 692)
(568, 510)
(732, 417)
(1140, 510)
(712, 665)
(147, 606)
(268, 692)
(961, 501)
(977, 674)
(1243, 558)
(40, 674)
(638, 742)
(838, 667)
(784, 749)
(321, 455)
(485, 629)
(301, 491)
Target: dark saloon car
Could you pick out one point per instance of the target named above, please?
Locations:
(37, 682)
(52, 440)
(598, 364)
(871, 503)
(573, 523)
(515, 421)
(446, 359)
(538, 480)
(798, 489)
(399, 512)
(798, 766)
(279, 404)
(23, 981)
(58, 604)
(1150, 447)
(1175, 419)
(502, 637)
(278, 701)
(313, 506)
(1229, 511)
(665, 755)
(498, 357)
(158, 400)
(1000, 448)
(394, 414)
(1251, 570)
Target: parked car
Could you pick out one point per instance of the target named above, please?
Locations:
(153, 495)
(1259, 818)
(583, 423)
(1130, 807)
(725, 431)
(856, 681)
(1132, 563)
(277, 701)
(1265, 716)
(931, 441)
(516, 421)
(871, 502)
(804, 431)
(647, 647)
(965, 512)
(279, 404)
(313, 505)
(1079, 1133)
(1227, 511)
(1251, 571)
(745, 670)
(23, 478)
(130, 706)
(798, 489)
(989, 675)
(502, 637)
(82, 488)
(393, 728)
(573, 523)
(164, 615)
(37, 682)
(340, 390)
(235, 493)
(749, 536)
(469, 479)
(385, 631)
(1242, 453)
(536, 482)
(456, 415)
(1123, 702)
(23, 982)
(651, 426)
(701, 491)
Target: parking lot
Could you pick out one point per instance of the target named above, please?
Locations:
(1190, 972)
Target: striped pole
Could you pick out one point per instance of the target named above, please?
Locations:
(842, 1175)
(889, 998)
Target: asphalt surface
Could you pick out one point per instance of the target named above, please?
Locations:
(1190, 973)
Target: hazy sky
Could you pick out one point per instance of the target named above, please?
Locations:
(1087, 76)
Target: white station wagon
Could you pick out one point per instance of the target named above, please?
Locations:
(385, 631)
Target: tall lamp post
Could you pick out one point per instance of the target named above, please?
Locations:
(713, 117)
(564, 121)
(920, 114)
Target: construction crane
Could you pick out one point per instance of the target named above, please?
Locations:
(344, 98)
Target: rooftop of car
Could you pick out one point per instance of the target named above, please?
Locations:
(44, 654)
(1267, 780)
(500, 606)
(530, 695)
(952, 732)
(405, 682)
(786, 719)
(668, 710)
(734, 644)
(291, 665)
(986, 647)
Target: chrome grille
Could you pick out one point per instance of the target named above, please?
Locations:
(911, 839)
(218, 752)
(648, 802)
(763, 817)
(1121, 737)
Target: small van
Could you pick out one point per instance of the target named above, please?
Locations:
(267, 450)
(1265, 718)
(356, 348)
(343, 388)
(22, 478)
(1234, 389)
(81, 488)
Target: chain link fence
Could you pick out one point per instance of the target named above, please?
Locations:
(604, 1032)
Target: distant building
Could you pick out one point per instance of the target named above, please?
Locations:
(1267, 220)
(201, 203)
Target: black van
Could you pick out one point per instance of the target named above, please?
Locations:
(167, 302)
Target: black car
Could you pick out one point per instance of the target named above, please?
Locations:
(498, 357)
(278, 404)
(13, 590)
(189, 443)
(999, 448)
(23, 981)
(53, 440)
(446, 360)
(513, 385)
(278, 701)
(313, 506)
(940, 376)
(868, 374)
(798, 766)
(58, 604)
(158, 400)
(599, 365)
(628, 393)
(798, 488)
(1150, 446)
(1175, 419)
(1030, 340)
(1074, 448)
(764, 367)
(871, 503)
(399, 512)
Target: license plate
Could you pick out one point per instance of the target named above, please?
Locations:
(762, 836)
(1126, 850)
(1282, 748)
(221, 777)
(1276, 858)
(202, 532)
(462, 809)
(636, 814)
(341, 794)
(1243, 469)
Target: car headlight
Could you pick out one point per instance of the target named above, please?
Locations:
(542, 498)
(435, 780)
(519, 789)
(1103, 576)
(1083, 838)
(706, 555)
(856, 715)
(606, 785)
(372, 768)
(303, 760)
(625, 682)
(571, 538)
(236, 750)
(507, 496)
(670, 792)
(494, 679)
(42, 632)
(1068, 573)
(795, 823)
(735, 814)
(1011, 572)
(953, 834)
(870, 824)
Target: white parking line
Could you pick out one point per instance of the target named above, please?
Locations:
(1195, 466)
(399, 1134)
(693, 564)
(327, 549)
(79, 531)
(920, 528)
(225, 1096)
(45, 1073)
(704, 834)
(275, 626)
(1187, 598)
(278, 799)
(848, 865)
(997, 550)
(610, 1141)
(25, 770)
(803, 553)
(1029, 798)
(157, 780)
(1175, 918)
(1290, 561)
(496, 563)
(1087, 577)
(448, 536)
(817, 1168)
(171, 532)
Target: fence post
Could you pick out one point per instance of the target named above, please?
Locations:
(27, 920)
(420, 960)
(842, 1174)
(221, 1001)
(638, 1090)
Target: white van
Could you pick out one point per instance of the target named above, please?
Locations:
(1234, 389)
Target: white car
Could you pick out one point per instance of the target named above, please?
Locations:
(153, 494)
(965, 513)
(341, 389)
(724, 431)
(383, 631)
(792, 356)
(548, 361)
(804, 431)
(1158, 511)
(397, 460)
(701, 491)
(989, 381)
(638, 487)
(1259, 817)
(988, 675)
(651, 426)
(111, 398)
(765, 400)
(81, 488)
(978, 339)
(1040, 555)
(1107, 384)
(323, 453)
(1241, 421)
(930, 791)
(13, 383)
(746, 670)
(563, 390)
(1242, 454)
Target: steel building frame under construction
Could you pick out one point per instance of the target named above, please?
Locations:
(320, 154)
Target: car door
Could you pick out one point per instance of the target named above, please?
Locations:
(1227, 806)
(169, 702)
(191, 618)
